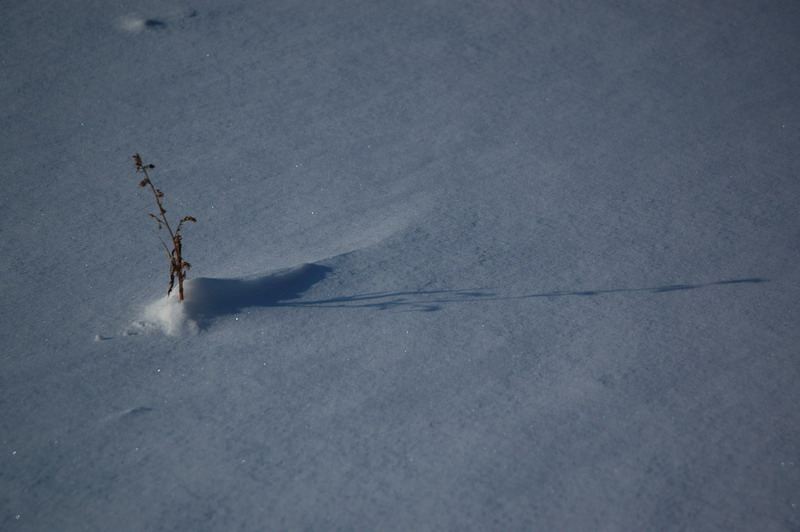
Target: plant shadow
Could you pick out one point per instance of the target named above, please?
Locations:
(433, 300)
(209, 298)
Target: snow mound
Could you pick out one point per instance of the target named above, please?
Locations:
(131, 23)
(209, 298)
(166, 315)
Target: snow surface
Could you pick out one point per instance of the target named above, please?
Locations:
(458, 265)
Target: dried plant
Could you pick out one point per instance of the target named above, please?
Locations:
(177, 266)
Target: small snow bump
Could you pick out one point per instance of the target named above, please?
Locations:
(136, 24)
(131, 23)
(166, 315)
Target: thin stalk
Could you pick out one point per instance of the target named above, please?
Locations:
(177, 266)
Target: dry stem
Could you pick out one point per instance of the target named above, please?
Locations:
(177, 266)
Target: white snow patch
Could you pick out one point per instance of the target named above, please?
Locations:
(166, 315)
(131, 23)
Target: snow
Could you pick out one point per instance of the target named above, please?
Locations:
(166, 315)
(464, 265)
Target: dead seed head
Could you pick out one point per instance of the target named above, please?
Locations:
(140, 167)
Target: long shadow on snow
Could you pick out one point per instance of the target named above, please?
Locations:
(208, 298)
(432, 300)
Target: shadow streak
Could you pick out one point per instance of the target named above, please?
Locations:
(208, 298)
(433, 300)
